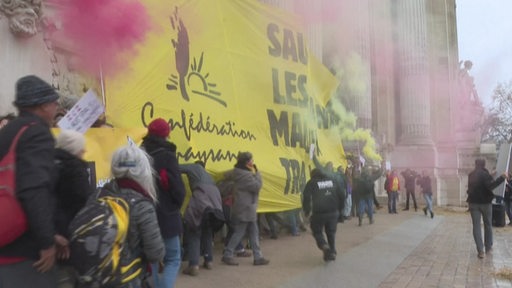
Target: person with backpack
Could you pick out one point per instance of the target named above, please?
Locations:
(171, 194)
(28, 260)
(72, 189)
(203, 216)
(392, 186)
(116, 235)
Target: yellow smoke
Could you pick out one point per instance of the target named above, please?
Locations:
(353, 83)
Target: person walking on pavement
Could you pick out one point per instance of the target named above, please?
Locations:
(171, 194)
(480, 195)
(246, 188)
(410, 182)
(426, 189)
(323, 199)
(29, 260)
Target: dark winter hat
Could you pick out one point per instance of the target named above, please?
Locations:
(32, 91)
(159, 127)
(243, 157)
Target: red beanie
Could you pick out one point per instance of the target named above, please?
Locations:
(159, 127)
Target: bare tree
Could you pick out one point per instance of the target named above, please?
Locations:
(497, 126)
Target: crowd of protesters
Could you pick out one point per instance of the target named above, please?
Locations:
(53, 184)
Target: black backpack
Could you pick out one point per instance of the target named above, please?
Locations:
(98, 246)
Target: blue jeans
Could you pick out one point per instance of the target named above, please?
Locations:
(365, 204)
(172, 263)
(392, 198)
(478, 212)
(293, 220)
(428, 201)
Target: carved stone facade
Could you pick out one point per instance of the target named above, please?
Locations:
(27, 47)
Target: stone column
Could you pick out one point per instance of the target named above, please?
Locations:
(414, 89)
(363, 101)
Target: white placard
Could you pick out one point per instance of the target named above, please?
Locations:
(388, 165)
(83, 114)
(311, 151)
(503, 165)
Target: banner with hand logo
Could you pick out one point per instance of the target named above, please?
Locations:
(232, 76)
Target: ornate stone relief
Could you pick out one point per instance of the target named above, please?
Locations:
(23, 16)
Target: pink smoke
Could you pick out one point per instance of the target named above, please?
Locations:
(100, 30)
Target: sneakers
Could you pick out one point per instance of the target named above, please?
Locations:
(261, 261)
(481, 254)
(229, 261)
(208, 265)
(425, 211)
(191, 270)
(431, 214)
(371, 221)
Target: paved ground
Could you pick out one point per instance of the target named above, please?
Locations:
(403, 250)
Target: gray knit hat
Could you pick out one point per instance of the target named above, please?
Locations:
(32, 91)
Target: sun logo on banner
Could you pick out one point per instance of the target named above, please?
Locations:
(184, 77)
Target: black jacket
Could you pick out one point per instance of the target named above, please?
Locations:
(34, 168)
(480, 186)
(322, 195)
(72, 188)
(170, 187)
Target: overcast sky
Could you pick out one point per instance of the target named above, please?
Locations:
(484, 30)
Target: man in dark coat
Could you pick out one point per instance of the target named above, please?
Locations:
(323, 199)
(410, 182)
(29, 260)
(480, 195)
(171, 194)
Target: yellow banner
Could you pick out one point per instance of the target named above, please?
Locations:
(232, 76)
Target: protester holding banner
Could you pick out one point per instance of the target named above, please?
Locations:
(480, 196)
(247, 184)
(29, 260)
(203, 216)
(171, 194)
